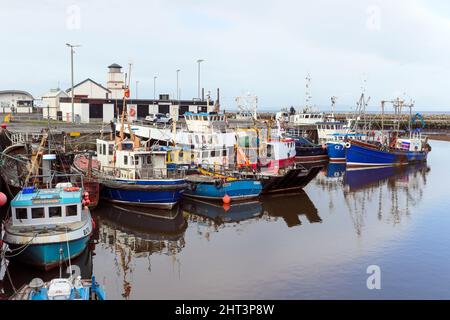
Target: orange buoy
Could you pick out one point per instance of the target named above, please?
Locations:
(226, 199)
(3, 199)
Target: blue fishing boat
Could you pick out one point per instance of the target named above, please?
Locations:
(46, 222)
(61, 289)
(361, 154)
(307, 151)
(137, 175)
(208, 185)
(391, 147)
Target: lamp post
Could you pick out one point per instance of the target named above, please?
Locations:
(178, 90)
(154, 87)
(199, 61)
(71, 64)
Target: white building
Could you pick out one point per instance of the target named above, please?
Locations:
(16, 101)
(51, 103)
(89, 89)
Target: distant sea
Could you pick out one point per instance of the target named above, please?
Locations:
(371, 110)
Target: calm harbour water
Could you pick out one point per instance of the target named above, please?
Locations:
(313, 245)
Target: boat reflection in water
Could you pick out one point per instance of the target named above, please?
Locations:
(22, 274)
(290, 208)
(388, 192)
(214, 215)
(138, 232)
(359, 179)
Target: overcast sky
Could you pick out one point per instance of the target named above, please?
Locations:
(401, 48)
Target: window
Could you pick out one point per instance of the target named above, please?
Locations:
(136, 160)
(125, 159)
(111, 149)
(54, 212)
(180, 155)
(37, 213)
(197, 140)
(149, 160)
(224, 153)
(205, 155)
(213, 153)
(21, 213)
(104, 149)
(203, 139)
(71, 210)
(269, 150)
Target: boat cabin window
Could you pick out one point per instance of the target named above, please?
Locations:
(136, 160)
(224, 153)
(203, 139)
(125, 159)
(269, 150)
(71, 210)
(54, 212)
(149, 160)
(104, 149)
(213, 153)
(127, 146)
(111, 149)
(37, 213)
(205, 154)
(197, 140)
(21, 213)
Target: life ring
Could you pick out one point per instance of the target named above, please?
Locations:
(132, 112)
(348, 145)
(71, 189)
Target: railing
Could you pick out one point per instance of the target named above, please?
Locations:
(109, 173)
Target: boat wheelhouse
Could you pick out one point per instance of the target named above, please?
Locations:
(46, 223)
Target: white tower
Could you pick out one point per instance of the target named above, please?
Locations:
(116, 81)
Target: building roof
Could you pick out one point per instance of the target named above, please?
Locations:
(88, 79)
(114, 65)
(16, 92)
(54, 93)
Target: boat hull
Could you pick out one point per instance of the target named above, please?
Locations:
(47, 256)
(361, 155)
(336, 151)
(236, 190)
(155, 194)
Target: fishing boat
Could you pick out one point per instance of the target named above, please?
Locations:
(393, 147)
(213, 185)
(403, 152)
(61, 289)
(137, 175)
(44, 221)
(131, 172)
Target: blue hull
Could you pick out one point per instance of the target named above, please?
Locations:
(336, 151)
(47, 256)
(158, 197)
(236, 190)
(362, 156)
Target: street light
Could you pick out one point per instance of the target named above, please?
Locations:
(178, 90)
(71, 63)
(199, 61)
(154, 87)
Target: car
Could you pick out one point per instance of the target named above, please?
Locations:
(158, 118)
